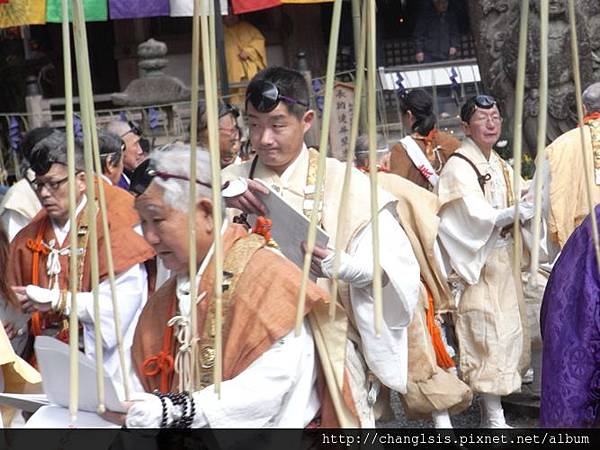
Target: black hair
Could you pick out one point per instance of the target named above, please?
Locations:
(110, 146)
(53, 149)
(289, 82)
(420, 104)
(31, 138)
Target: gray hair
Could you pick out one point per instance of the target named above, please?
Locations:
(174, 159)
(591, 98)
(117, 127)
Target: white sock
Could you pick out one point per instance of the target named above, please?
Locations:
(441, 419)
(492, 411)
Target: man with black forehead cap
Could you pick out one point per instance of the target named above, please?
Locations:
(39, 265)
(477, 211)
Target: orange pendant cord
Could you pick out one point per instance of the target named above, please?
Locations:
(591, 117)
(37, 248)
(441, 355)
(162, 362)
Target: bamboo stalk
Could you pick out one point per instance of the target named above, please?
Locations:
(192, 200)
(358, 88)
(518, 135)
(587, 168)
(73, 253)
(210, 83)
(541, 141)
(372, 121)
(323, 144)
(88, 122)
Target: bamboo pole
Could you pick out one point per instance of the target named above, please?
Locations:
(586, 164)
(323, 145)
(104, 219)
(541, 142)
(518, 135)
(210, 92)
(73, 252)
(87, 123)
(358, 88)
(372, 121)
(192, 198)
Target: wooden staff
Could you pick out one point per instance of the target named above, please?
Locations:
(518, 135)
(210, 92)
(88, 122)
(73, 251)
(360, 78)
(192, 196)
(541, 141)
(323, 144)
(586, 164)
(372, 121)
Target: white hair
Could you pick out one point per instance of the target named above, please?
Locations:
(117, 127)
(591, 98)
(174, 159)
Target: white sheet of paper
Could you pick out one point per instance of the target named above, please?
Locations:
(290, 227)
(53, 360)
(53, 416)
(26, 402)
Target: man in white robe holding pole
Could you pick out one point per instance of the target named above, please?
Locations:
(351, 353)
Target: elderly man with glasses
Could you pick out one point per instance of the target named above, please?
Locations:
(477, 211)
(278, 117)
(39, 263)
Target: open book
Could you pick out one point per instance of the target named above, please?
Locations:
(290, 227)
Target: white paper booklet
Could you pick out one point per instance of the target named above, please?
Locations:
(290, 228)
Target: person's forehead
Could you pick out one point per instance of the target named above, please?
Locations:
(486, 111)
(151, 199)
(280, 112)
(56, 171)
(227, 119)
(130, 138)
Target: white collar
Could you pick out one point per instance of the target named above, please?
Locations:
(183, 281)
(287, 173)
(105, 178)
(61, 232)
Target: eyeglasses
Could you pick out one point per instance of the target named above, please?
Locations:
(265, 96)
(145, 173)
(52, 186)
(485, 119)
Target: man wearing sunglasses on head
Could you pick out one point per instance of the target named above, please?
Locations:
(278, 117)
(133, 154)
(477, 212)
(40, 253)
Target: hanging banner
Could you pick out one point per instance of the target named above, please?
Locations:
(185, 8)
(306, 1)
(244, 6)
(94, 10)
(14, 13)
(133, 9)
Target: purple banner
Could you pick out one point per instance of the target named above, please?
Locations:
(133, 9)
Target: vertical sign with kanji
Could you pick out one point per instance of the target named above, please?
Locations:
(341, 120)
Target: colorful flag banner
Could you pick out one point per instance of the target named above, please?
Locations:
(132, 9)
(185, 8)
(306, 1)
(14, 13)
(244, 6)
(94, 10)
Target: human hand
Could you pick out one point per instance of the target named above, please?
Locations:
(34, 298)
(247, 201)
(243, 55)
(319, 254)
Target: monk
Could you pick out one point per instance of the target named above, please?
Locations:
(269, 374)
